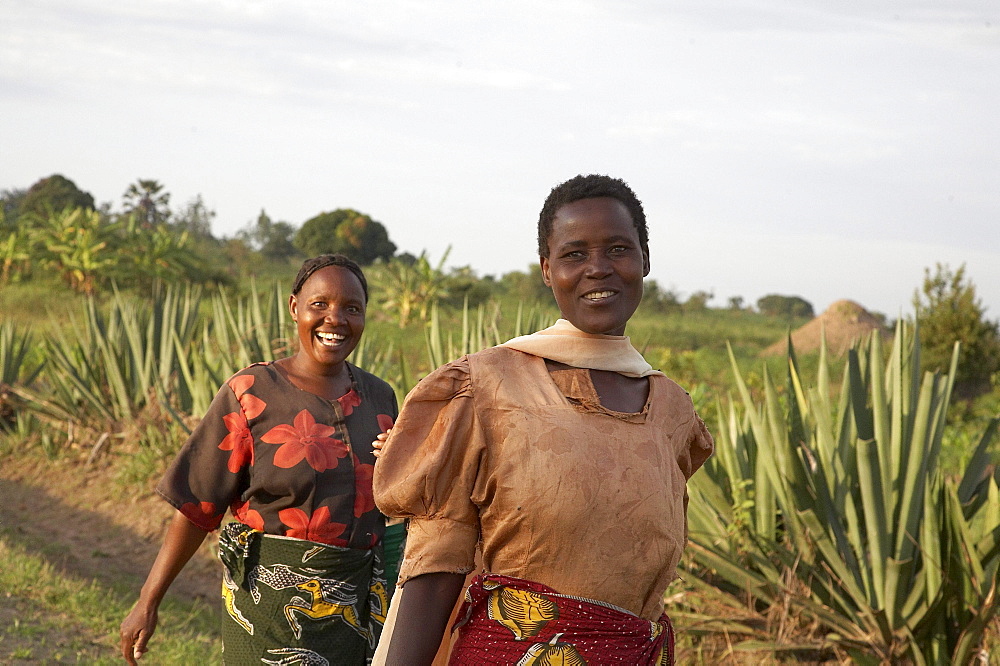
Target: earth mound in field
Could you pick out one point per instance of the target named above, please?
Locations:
(844, 322)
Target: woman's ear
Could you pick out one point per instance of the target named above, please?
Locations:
(546, 278)
(293, 307)
(645, 264)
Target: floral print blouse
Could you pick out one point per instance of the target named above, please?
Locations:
(285, 461)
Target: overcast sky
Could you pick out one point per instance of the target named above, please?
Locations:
(822, 148)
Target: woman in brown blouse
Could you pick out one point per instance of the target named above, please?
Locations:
(561, 456)
(279, 448)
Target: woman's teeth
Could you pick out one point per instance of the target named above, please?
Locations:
(331, 338)
(598, 295)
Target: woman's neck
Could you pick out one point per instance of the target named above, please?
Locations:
(615, 391)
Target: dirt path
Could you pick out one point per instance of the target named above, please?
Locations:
(90, 531)
(75, 517)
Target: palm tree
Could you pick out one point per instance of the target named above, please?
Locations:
(412, 288)
(146, 200)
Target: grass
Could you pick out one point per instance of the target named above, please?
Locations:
(40, 304)
(50, 616)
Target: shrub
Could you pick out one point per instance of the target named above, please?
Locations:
(839, 520)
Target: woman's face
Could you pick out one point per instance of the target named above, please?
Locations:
(329, 313)
(595, 265)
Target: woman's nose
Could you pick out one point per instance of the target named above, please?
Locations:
(598, 265)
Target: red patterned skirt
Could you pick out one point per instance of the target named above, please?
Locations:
(512, 621)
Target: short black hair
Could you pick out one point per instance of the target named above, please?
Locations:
(310, 266)
(590, 187)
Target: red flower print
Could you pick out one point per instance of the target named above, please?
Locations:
(349, 401)
(248, 516)
(318, 527)
(306, 439)
(239, 441)
(202, 514)
(251, 404)
(364, 499)
(384, 422)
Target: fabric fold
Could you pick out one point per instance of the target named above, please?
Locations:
(565, 343)
(290, 600)
(436, 545)
(510, 620)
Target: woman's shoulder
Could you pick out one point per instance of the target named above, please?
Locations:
(497, 358)
(369, 383)
(671, 395)
(477, 367)
(255, 372)
(669, 386)
(259, 368)
(458, 377)
(444, 383)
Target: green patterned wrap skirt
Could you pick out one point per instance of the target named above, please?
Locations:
(292, 601)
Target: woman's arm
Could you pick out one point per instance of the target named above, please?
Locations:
(181, 542)
(422, 618)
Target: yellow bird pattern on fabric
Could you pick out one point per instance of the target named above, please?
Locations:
(378, 589)
(229, 601)
(524, 613)
(553, 653)
(318, 608)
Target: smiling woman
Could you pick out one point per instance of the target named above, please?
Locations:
(594, 264)
(304, 572)
(328, 308)
(561, 456)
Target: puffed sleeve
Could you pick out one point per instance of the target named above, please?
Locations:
(696, 448)
(208, 473)
(428, 470)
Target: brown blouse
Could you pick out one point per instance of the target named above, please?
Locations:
(493, 450)
(285, 461)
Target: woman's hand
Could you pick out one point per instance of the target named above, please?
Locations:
(379, 443)
(181, 541)
(136, 630)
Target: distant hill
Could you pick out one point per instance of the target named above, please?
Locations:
(843, 322)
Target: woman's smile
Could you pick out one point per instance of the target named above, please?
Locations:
(330, 339)
(598, 296)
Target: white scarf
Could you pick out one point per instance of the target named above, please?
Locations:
(565, 343)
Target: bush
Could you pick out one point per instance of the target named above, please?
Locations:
(838, 521)
(775, 305)
(950, 313)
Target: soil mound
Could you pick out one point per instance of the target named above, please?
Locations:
(844, 322)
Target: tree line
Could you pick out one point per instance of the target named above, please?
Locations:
(55, 228)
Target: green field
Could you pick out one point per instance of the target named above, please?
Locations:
(112, 383)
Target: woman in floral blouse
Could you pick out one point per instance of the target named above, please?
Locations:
(285, 447)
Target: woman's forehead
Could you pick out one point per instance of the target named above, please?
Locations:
(333, 278)
(603, 218)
